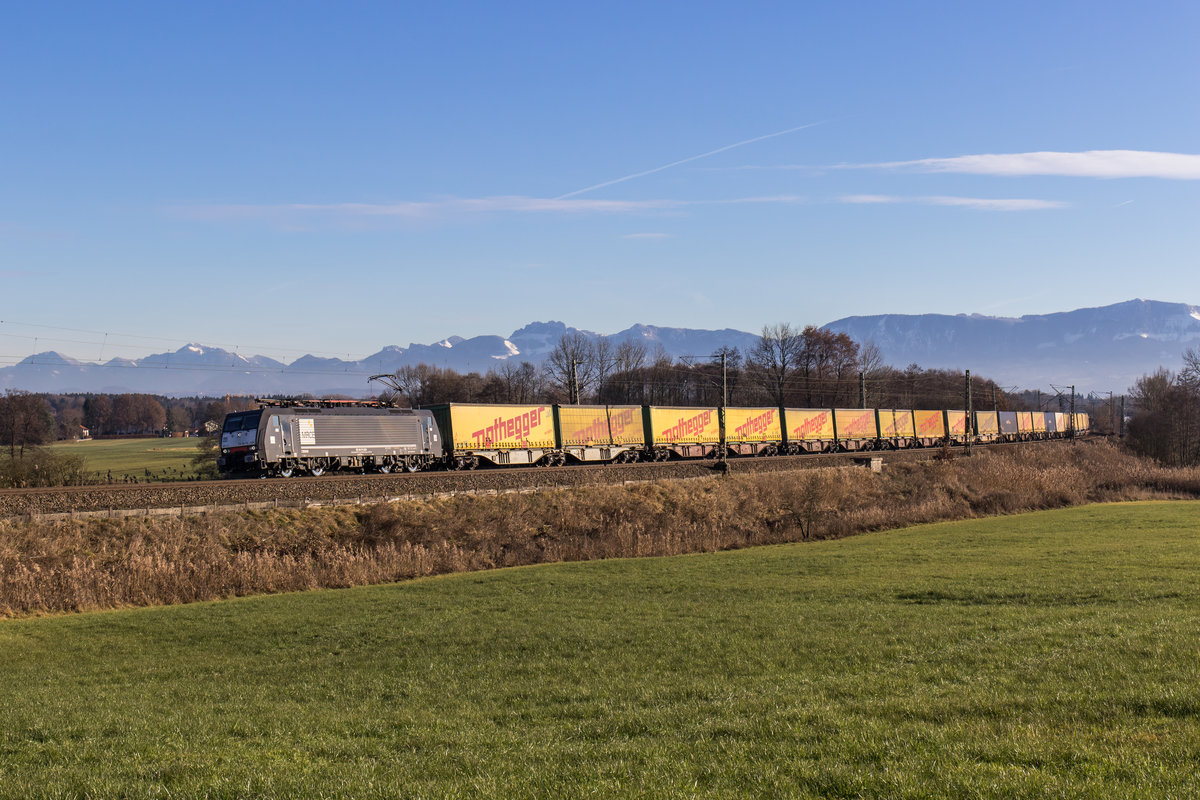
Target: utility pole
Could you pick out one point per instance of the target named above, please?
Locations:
(1072, 413)
(1122, 433)
(573, 389)
(967, 418)
(1112, 426)
(995, 403)
(721, 415)
(862, 389)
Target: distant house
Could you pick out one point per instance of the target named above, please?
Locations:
(83, 433)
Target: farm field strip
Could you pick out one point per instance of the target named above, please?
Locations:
(142, 458)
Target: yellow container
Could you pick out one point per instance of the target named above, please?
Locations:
(600, 425)
(887, 423)
(987, 423)
(930, 424)
(1039, 421)
(855, 423)
(752, 425)
(895, 423)
(1025, 421)
(674, 425)
(809, 424)
(956, 423)
(487, 427)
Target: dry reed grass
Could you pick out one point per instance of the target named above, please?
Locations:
(48, 567)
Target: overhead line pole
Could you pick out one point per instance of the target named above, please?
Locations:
(967, 418)
(721, 415)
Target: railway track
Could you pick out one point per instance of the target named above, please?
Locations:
(68, 499)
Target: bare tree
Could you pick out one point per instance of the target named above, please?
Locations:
(413, 382)
(630, 356)
(571, 365)
(1166, 422)
(1190, 376)
(828, 363)
(523, 382)
(775, 358)
(25, 421)
(605, 357)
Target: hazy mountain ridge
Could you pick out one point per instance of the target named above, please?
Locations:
(1096, 349)
(198, 369)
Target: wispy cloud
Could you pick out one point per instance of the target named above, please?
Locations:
(420, 209)
(979, 203)
(1088, 164)
(454, 206)
(653, 170)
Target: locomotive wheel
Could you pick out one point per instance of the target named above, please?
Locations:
(411, 466)
(317, 472)
(287, 472)
(385, 468)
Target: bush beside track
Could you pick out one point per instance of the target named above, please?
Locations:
(75, 565)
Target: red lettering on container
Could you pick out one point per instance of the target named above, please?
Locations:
(519, 427)
(687, 428)
(811, 425)
(757, 424)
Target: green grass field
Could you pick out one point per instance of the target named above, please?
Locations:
(1048, 655)
(166, 459)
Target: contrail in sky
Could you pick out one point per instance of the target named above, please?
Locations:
(691, 158)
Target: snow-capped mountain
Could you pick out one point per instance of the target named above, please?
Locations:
(198, 369)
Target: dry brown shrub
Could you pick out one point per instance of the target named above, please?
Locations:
(100, 563)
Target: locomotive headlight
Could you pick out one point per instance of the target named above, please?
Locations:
(225, 452)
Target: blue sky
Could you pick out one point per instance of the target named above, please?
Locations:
(334, 177)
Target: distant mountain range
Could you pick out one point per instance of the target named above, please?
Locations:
(1095, 349)
(200, 370)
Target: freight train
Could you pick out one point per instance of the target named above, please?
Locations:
(284, 438)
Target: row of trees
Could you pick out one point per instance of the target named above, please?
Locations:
(28, 420)
(25, 422)
(1165, 421)
(125, 414)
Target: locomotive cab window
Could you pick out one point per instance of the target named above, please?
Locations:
(242, 422)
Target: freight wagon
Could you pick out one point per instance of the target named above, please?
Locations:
(809, 430)
(513, 434)
(987, 426)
